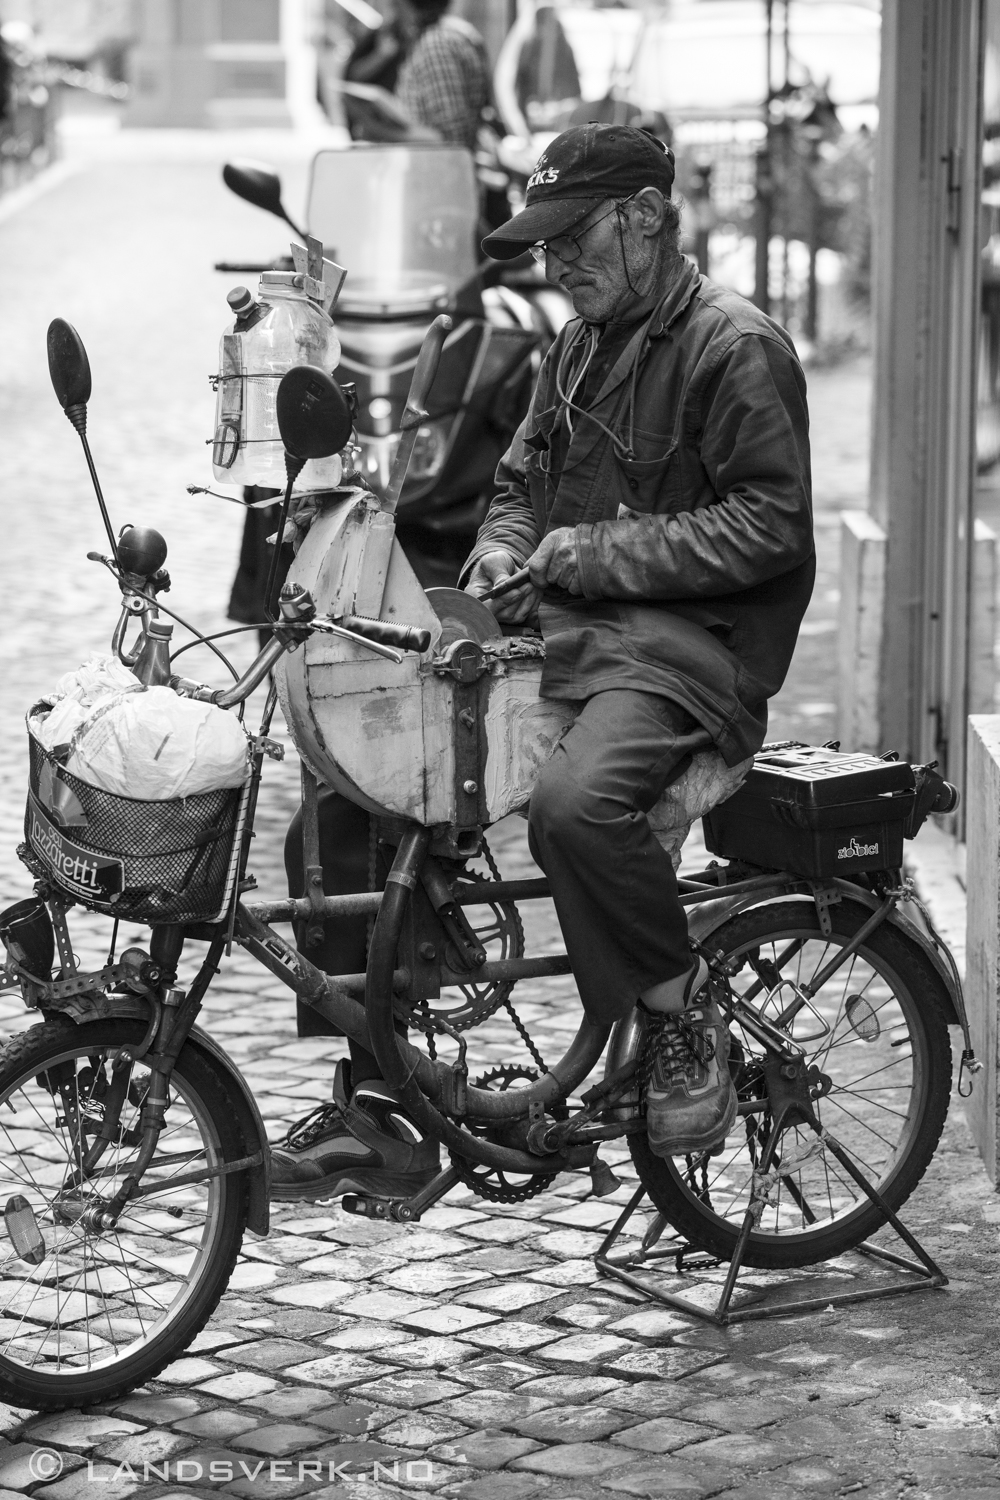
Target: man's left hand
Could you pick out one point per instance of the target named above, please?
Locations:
(554, 561)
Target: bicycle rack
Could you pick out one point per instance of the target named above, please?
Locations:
(927, 1276)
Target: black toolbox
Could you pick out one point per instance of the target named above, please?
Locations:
(815, 811)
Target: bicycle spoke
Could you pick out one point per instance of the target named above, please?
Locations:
(876, 1093)
(97, 1297)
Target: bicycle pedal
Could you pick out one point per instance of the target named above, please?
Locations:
(690, 1259)
(368, 1207)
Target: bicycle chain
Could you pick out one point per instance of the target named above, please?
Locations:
(490, 1182)
(516, 1021)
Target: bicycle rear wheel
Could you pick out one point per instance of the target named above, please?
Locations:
(876, 1031)
(87, 1314)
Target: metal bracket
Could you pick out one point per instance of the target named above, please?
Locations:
(463, 660)
(64, 946)
(466, 664)
(454, 1090)
(825, 896)
(312, 869)
(261, 745)
(953, 162)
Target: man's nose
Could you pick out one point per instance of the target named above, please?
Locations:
(555, 269)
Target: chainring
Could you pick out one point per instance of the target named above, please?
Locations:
(490, 1182)
(498, 928)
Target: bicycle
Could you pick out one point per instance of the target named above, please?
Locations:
(132, 1154)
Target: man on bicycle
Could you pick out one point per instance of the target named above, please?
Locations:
(659, 493)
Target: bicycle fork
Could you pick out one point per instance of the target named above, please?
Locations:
(173, 1014)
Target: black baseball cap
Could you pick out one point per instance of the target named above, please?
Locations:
(581, 168)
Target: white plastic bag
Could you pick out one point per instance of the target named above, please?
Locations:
(140, 742)
(74, 695)
(98, 676)
(154, 745)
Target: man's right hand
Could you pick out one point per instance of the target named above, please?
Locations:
(492, 568)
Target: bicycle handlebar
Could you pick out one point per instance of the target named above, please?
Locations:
(387, 633)
(380, 635)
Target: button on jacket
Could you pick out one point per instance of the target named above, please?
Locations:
(690, 497)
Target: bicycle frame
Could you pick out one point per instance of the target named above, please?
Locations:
(437, 1094)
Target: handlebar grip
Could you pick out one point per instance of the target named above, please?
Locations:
(425, 370)
(406, 637)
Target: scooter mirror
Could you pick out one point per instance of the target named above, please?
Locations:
(69, 367)
(258, 185)
(314, 418)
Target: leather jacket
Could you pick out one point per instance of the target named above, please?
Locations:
(687, 482)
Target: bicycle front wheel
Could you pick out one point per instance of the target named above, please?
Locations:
(876, 1033)
(87, 1314)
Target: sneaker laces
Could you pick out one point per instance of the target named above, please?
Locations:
(305, 1131)
(675, 1042)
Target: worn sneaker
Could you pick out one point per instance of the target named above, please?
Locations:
(690, 1098)
(360, 1142)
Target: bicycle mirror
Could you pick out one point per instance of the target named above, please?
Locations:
(69, 367)
(314, 418)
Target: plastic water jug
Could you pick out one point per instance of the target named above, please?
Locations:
(286, 327)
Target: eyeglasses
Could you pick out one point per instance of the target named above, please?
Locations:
(569, 247)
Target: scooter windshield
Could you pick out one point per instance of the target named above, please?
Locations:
(401, 219)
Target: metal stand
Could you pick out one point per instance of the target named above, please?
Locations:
(926, 1275)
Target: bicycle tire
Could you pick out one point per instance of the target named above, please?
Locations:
(710, 1213)
(104, 1312)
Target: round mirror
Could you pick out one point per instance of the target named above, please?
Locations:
(69, 367)
(256, 183)
(314, 418)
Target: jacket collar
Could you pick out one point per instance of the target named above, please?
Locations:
(665, 313)
(677, 299)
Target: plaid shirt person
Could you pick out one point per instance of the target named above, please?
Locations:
(445, 82)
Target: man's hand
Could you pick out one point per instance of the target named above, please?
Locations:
(554, 561)
(494, 567)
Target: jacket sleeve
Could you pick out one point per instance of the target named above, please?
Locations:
(755, 450)
(510, 523)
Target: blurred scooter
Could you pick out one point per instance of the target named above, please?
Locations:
(404, 220)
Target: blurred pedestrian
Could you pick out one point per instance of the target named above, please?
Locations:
(377, 56)
(444, 84)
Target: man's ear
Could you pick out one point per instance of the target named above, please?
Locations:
(649, 211)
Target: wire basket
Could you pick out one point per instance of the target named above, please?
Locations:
(151, 862)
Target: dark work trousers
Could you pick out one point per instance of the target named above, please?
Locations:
(614, 886)
(343, 949)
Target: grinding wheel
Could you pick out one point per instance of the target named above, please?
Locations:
(464, 617)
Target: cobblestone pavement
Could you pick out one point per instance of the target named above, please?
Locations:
(477, 1354)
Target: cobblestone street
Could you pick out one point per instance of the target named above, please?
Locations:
(478, 1354)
